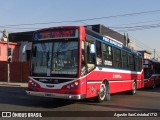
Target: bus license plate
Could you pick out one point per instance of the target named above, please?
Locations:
(48, 94)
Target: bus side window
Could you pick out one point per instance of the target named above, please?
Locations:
(98, 53)
(117, 58)
(124, 60)
(131, 62)
(107, 55)
(90, 56)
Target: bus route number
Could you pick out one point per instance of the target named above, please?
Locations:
(117, 76)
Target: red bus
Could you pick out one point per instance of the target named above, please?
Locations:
(151, 73)
(74, 62)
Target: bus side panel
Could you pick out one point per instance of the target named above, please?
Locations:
(116, 87)
(93, 83)
(92, 89)
(119, 80)
(149, 83)
(151, 80)
(140, 83)
(158, 80)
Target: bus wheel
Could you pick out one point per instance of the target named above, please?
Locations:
(154, 84)
(103, 93)
(134, 89)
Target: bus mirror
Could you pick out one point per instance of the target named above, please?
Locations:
(91, 49)
(34, 51)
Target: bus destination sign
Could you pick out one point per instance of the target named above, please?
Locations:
(56, 34)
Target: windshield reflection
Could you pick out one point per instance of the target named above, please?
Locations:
(41, 58)
(65, 58)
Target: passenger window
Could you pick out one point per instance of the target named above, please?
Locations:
(99, 53)
(117, 58)
(107, 55)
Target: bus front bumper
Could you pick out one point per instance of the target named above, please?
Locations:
(56, 95)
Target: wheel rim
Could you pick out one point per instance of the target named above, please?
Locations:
(154, 85)
(134, 87)
(102, 93)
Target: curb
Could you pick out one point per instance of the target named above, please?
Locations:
(11, 84)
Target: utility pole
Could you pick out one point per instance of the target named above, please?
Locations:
(5, 35)
(154, 54)
(126, 37)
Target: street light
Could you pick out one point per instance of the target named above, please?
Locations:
(5, 35)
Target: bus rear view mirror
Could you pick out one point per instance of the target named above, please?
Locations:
(91, 49)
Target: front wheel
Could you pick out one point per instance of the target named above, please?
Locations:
(103, 94)
(134, 89)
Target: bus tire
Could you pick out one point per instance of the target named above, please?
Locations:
(154, 84)
(134, 89)
(103, 94)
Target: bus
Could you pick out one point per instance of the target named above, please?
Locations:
(75, 62)
(151, 73)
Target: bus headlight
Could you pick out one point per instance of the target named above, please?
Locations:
(76, 83)
(72, 85)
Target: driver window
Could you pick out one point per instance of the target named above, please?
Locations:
(90, 56)
(83, 65)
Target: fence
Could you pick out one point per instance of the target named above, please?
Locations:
(19, 71)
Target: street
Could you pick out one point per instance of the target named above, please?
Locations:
(15, 99)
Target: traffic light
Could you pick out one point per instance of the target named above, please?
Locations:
(9, 51)
(9, 55)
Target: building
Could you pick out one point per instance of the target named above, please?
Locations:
(146, 54)
(13, 49)
(19, 54)
(24, 39)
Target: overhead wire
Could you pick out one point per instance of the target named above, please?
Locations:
(140, 42)
(140, 22)
(88, 19)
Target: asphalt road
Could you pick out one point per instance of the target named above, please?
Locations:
(15, 99)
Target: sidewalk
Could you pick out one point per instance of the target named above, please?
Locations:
(13, 84)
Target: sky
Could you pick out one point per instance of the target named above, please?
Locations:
(15, 14)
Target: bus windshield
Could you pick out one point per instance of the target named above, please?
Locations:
(50, 58)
